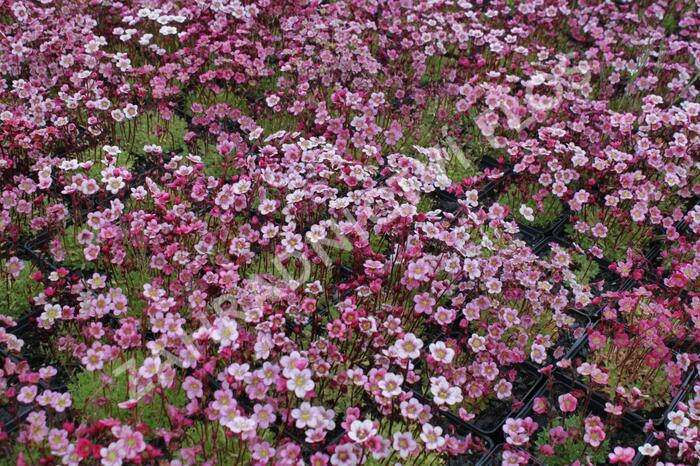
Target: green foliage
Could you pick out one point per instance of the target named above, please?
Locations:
(131, 283)
(212, 439)
(461, 164)
(628, 368)
(575, 448)
(9, 455)
(96, 394)
(621, 234)
(544, 325)
(74, 255)
(15, 292)
(424, 205)
(545, 216)
(586, 269)
(152, 129)
(434, 68)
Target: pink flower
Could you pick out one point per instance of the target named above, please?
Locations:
(150, 367)
(27, 394)
(305, 416)
(538, 353)
(539, 405)
(567, 403)
(192, 387)
(503, 389)
(599, 230)
(344, 455)
(391, 385)
(113, 455)
(432, 437)
(14, 266)
(131, 442)
(596, 340)
(404, 444)
(61, 402)
(594, 436)
(546, 450)
(408, 347)
(621, 455)
(424, 303)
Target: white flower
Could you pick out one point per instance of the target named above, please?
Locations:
(538, 353)
(441, 352)
(150, 367)
(432, 436)
(300, 382)
(443, 392)
(114, 184)
(527, 213)
(649, 450)
(168, 30)
(316, 234)
(130, 111)
(677, 421)
(240, 424)
(225, 332)
(360, 431)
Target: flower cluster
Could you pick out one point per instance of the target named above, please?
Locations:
(349, 232)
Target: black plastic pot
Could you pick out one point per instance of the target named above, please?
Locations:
(688, 384)
(653, 252)
(489, 192)
(26, 322)
(62, 379)
(570, 344)
(660, 420)
(535, 236)
(632, 425)
(448, 201)
(38, 242)
(667, 456)
(445, 201)
(650, 253)
(448, 426)
(12, 418)
(659, 415)
(473, 459)
(341, 275)
(531, 236)
(489, 162)
(489, 422)
(612, 281)
(495, 457)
